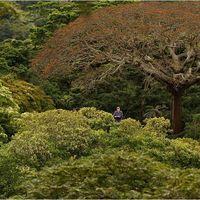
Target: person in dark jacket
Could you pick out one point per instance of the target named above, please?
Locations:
(118, 114)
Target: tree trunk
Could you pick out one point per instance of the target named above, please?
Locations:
(176, 112)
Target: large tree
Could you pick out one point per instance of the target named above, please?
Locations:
(160, 39)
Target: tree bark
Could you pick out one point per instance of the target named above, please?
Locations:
(176, 112)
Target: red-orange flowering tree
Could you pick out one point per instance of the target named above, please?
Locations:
(160, 39)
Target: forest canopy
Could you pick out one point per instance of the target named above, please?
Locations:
(64, 69)
(159, 39)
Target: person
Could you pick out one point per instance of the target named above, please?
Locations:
(118, 114)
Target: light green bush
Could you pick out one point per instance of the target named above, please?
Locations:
(64, 154)
(27, 96)
(55, 133)
(97, 119)
(159, 125)
(129, 126)
(184, 152)
(149, 141)
(178, 153)
(6, 99)
(8, 109)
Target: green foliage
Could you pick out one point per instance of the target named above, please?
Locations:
(150, 141)
(129, 127)
(3, 136)
(51, 134)
(6, 117)
(184, 184)
(27, 96)
(38, 35)
(184, 152)
(193, 128)
(13, 21)
(49, 16)
(10, 175)
(85, 154)
(158, 125)
(14, 56)
(19, 96)
(8, 109)
(191, 102)
(98, 119)
(72, 154)
(125, 89)
(6, 99)
(4, 67)
(115, 174)
(7, 10)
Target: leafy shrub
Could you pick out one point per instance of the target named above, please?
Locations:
(130, 132)
(12, 21)
(149, 141)
(129, 126)
(6, 99)
(115, 174)
(97, 119)
(17, 95)
(184, 152)
(10, 175)
(4, 68)
(158, 125)
(15, 55)
(8, 109)
(6, 118)
(27, 96)
(180, 152)
(57, 154)
(3, 136)
(182, 185)
(121, 133)
(55, 133)
(193, 128)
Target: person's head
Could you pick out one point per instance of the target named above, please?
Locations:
(118, 108)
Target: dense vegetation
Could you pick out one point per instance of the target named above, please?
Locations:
(58, 138)
(161, 40)
(85, 154)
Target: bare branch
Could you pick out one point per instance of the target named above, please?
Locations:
(175, 58)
